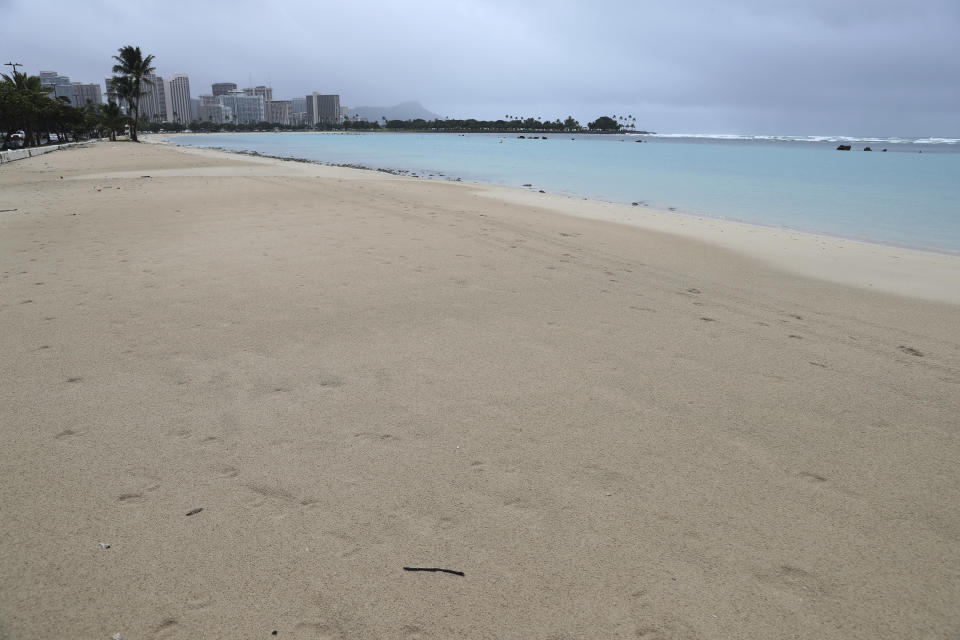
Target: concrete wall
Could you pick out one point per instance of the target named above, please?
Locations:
(20, 154)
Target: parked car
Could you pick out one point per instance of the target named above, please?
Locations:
(16, 141)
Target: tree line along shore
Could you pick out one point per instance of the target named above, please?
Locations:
(603, 124)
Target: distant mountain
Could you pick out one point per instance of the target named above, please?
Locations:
(403, 111)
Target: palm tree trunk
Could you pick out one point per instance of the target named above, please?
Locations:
(135, 109)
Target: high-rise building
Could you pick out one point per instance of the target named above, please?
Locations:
(60, 85)
(280, 112)
(323, 108)
(223, 88)
(112, 94)
(161, 90)
(266, 93)
(153, 104)
(210, 110)
(298, 111)
(245, 109)
(86, 92)
(177, 97)
(215, 113)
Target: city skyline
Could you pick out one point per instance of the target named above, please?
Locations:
(168, 98)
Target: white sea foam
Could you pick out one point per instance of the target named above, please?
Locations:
(809, 138)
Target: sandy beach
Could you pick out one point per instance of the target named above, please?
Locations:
(615, 423)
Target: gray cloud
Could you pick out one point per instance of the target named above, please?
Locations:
(877, 67)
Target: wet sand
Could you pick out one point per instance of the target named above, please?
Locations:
(613, 430)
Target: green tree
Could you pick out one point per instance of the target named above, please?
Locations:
(132, 68)
(13, 110)
(25, 100)
(112, 118)
(604, 123)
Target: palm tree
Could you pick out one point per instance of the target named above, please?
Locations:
(122, 87)
(132, 65)
(112, 118)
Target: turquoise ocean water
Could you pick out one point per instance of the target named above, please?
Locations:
(909, 196)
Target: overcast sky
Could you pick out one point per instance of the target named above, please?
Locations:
(857, 67)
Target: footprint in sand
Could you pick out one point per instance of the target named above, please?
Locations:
(166, 628)
(331, 381)
(227, 471)
(374, 436)
(664, 632)
(412, 632)
(794, 579)
(257, 495)
(318, 630)
(199, 602)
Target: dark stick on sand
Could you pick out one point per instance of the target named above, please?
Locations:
(456, 573)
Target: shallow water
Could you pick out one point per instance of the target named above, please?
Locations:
(909, 196)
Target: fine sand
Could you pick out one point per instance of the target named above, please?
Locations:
(613, 430)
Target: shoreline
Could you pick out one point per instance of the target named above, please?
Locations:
(923, 273)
